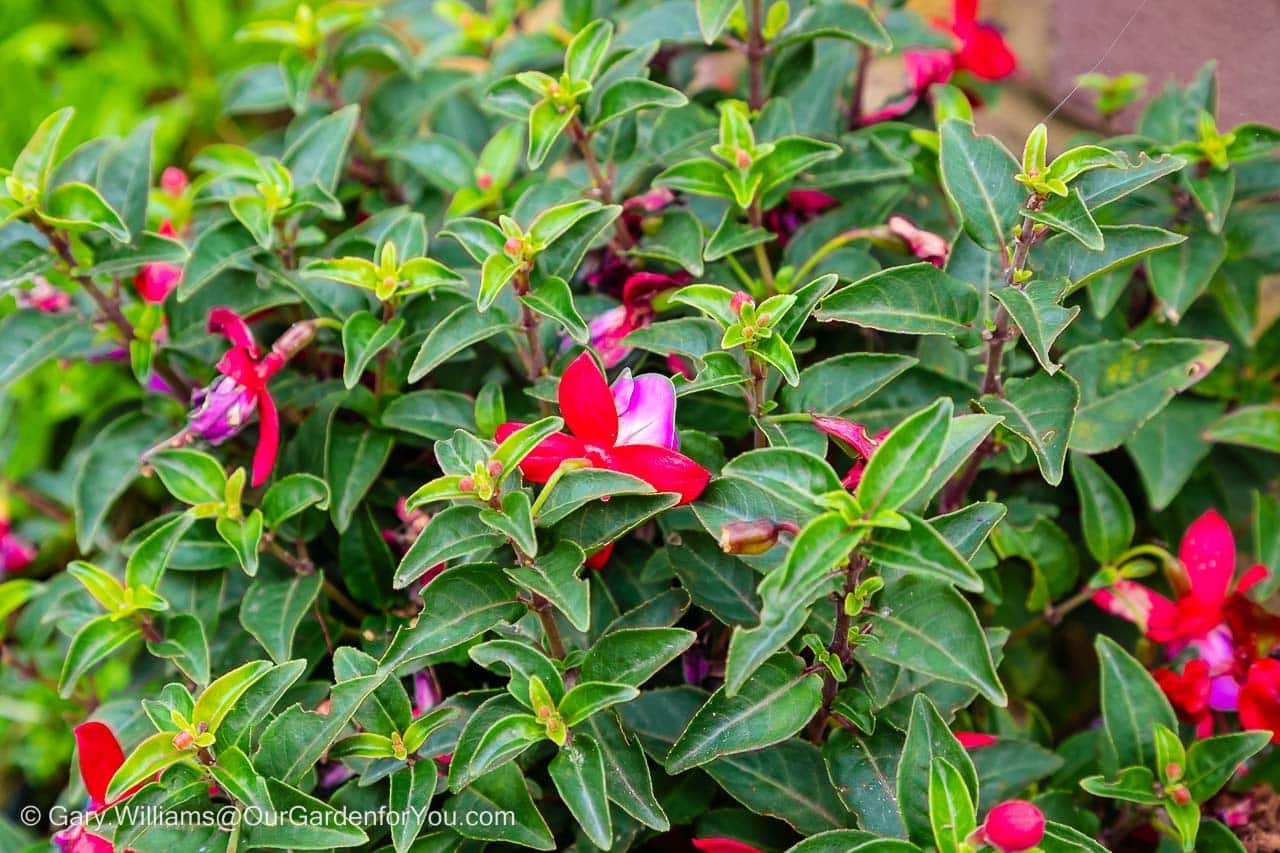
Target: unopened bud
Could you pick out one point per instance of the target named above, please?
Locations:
(484, 180)
(1180, 795)
(174, 181)
(466, 484)
(1173, 771)
(1014, 826)
(183, 740)
(740, 299)
(390, 282)
(744, 159)
(513, 247)
(494, 468)
(749, 537)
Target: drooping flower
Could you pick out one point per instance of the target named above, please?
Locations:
(223, 407)
(1259, 703)
(609, 271)
(978, 48)
(16, 553)
(629, 429)
(925, 245)
(857, 438)
(608, 330)
(155, 281)
(1211, 615)
(100, 756)
(798, 208)
(1013, 826)
(426, 694)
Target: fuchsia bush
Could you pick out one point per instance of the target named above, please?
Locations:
(502, 438)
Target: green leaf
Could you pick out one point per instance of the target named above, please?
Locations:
(1167, 449)
(96, 640)
(1063, 256)
(587, 50)
(110, 466)
(452, 533)
(124, 177)
(775, 703)
(554, 576)
(501, 790)
(30, 338)
(514, 521)
(1069, 216)
(185, 644)
(1038, 312)
(1103, 186)
(272, 608)
(306, 823)
(150, 757)
(235, 774)
(627, 779)
(1213, 192)
(928, 627)
(244, 535)
(1180, 275)
(917, 299)
(905, 459)
(635, 93)
(220, 697)
(191, 476)
(1132, 784)
(678, 240)
(77, 207)
(215, 251)
(318, 155)
(148, 561)
(579, 775)
(634, 655)
(1123, 383)
(700, 176)
(850, 22)
(552, 298)
(291, 495)
(977, 175)
(1105, 514)
(463, 327)
(546, 122)
(591, 697)
(519, 663)
(834, 386)
(502, 742)
(920, 549)
(581, 486)
(464, 603)
(928, 741)
(410, 797)
(1131, 704)
(1040, 411)
(713, 15)
(354, 455)
(1060, 838)
(1250, 426)
(296, 739)
(951, 808)
(363, 337)
(864, 771)
(1212, 761)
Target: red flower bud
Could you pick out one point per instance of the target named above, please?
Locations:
(484, 180)
(744, 159)
(174, 181)
(1180, 795)
(466, 484)
(183, 740)
(494, 468)
(740, 299)
(513, 247)
(1014, 826)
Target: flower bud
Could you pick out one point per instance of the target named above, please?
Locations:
(484, 180)
(183, 740)
(221, 410)
(466, 484)
(174, 181)
(494, 468)
(1014, 826)
(740, 299)
(154, 281)
(1173, 771)
(1180, 795)
(513, 247)
(743, 159)
(749, 537)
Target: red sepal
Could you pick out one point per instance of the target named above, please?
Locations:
(586, 403)
(665, 470)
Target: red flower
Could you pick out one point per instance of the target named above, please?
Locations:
(982, 50)
(1260, 698)
(1013, 826)
(154, 281)
(16, 553)
(854, 435)
(609, 329)
(975, 740)
(224, 406)
(588, 408)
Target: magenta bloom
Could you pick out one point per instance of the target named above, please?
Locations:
(924, 68)
(610, 329)
(154, 281)
(925, 245)
(221, 409)
(16, 553)
(646, 407)
(43, 296)
(799, 207)
(174, 181)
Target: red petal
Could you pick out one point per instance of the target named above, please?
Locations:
(723, 845)
(240, 366)
(543, 461)
(587, 404)
(234, 328)
(77, 839)
(985, 54)
(975, 740)
(665, 470)
(599, 558)
(1260, 698)
(1208, 552)
(100, 758)
(1251, 578)
(964, 12)
(264, 457)
(1150, 611)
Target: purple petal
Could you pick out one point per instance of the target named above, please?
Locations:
(648, 415)
(1224, 693)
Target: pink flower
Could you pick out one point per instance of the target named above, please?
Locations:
(16, 553)
(1189, 693)
(799, 207)
(924, 68)
(154, 281)
(599, 434)
(925, 245)
(1013, 826)
(223, 407)
(425, 693)
(100, 756)
(43, 296)
(975, 740)
(723, 845)
(854, 435)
